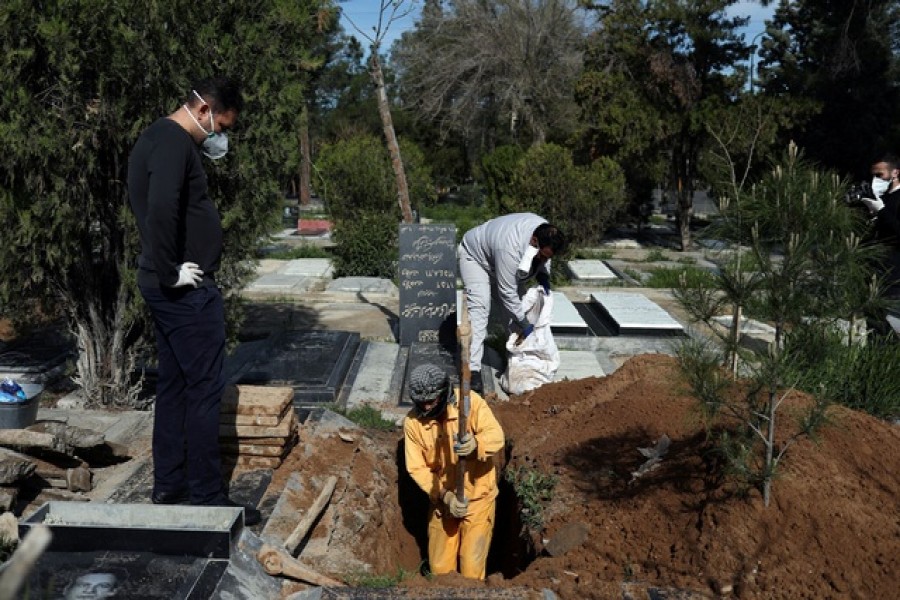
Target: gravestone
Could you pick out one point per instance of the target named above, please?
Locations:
(314, 363)
(427, 284)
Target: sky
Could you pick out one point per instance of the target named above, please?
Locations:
(364, 14)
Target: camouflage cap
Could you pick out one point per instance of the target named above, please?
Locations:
(425, 382)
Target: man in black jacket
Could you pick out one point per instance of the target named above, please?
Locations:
(885, 209)
(181, 248)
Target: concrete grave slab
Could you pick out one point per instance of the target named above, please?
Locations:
(308, 267)
(577, 364)
(591, 271)
(634, 313)
(372, 384)
(374, 285)
(565, 318)
(314, 363)
(274, 282)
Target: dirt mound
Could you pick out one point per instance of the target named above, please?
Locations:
(831, 531)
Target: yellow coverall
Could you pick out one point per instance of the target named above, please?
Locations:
(432, 464)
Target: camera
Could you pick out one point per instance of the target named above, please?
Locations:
(857, 192)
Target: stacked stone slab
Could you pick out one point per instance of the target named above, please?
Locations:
(258, 425)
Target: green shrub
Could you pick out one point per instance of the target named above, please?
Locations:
(581, 200)
(853, 375)
(366, 246)
(532, 488)
(499, 170)
(465, 217)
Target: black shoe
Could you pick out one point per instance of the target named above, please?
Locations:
(252, 516)
(475, 383)
(177, 497)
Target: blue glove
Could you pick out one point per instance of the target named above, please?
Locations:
(544, 281)
(526, 331)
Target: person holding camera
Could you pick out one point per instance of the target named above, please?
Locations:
(885, 210)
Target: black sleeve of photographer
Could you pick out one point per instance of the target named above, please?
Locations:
(887, 223)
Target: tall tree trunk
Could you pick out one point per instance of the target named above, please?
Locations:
(685, 212)
(384, 110)
(305, 155)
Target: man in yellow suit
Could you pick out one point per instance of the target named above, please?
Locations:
(457, 530)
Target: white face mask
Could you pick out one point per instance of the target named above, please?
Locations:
(524, 268)
(880, 186)
(215, 146)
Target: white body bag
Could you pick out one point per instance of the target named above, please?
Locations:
(534, 362)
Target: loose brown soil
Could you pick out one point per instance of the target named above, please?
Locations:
(832, 529)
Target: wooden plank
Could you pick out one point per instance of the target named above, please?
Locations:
(263, 420)
(285, 428)
(256, 399)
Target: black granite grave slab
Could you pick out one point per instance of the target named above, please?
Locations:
(39, 357)
(314, 363)
(133, 575)
(423, 353)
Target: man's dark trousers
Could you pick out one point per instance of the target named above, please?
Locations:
(190, 339)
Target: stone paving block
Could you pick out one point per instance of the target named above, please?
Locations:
(308, 267)
(374, 285)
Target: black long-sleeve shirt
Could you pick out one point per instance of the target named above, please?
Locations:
(887, 231)
(176, 219)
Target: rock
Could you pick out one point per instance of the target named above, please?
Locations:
(568, 537)
(78, 479)
(9, 527)
(8, 497)
(14, 467)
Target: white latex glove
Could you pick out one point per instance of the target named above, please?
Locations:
(189, 274)
(873, 204)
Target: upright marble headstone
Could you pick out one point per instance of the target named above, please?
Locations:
(427, 283)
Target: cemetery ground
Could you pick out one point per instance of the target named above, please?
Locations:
(679, 530)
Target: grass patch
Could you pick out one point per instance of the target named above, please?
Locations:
(633, 274)
(656, 255)
(686, 260)
(366, 416)
(593, 254)
(671, 278)
(379, 581)
(532, 488)
(302, 251)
